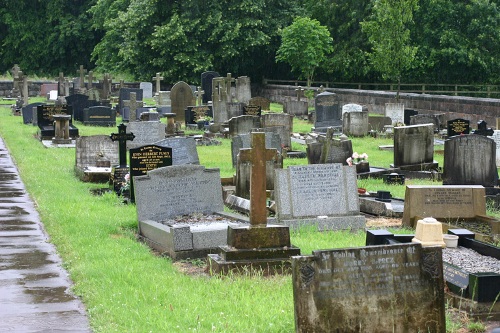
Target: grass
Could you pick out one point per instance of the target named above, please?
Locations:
(124, 285)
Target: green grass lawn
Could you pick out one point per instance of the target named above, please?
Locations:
(124, 285)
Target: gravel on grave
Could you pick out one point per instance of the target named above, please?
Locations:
(197, 219)
(470, 261)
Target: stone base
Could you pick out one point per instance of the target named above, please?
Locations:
(353, 222)
(93, 174)
(271, 236)
(368, 204)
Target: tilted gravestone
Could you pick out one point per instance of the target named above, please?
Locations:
(181, 97)
(146, 132)
(470, 160)
(325, 195)
(99, 116)
(421, 119)
(183, 150)
(458, 126)
(386, 288)
(243, 89)
(94, 157)
(414, 146)
(351, 108)
(378, 123)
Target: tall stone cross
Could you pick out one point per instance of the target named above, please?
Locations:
(133, 105)
(61, 84)
(299, 91)
(228, 80)
(122, 137)
(25, 91)
(257, 156)
(199, 96)
(158, 79)
(15, 71)
(106, 85)
(82, 78)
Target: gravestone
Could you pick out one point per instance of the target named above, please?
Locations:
(78, 103)
(94, 157)
(414, 147)
(243, 89)
(458, 126)
(125, 96)
(147, 158)
(328, 112)
(45, 120)
(242, 141)
(252, 110)
(378, 123)
(386, 288)
(355, 124)
(395, 111)
(470, 160)
(279, 123)
(28, 111)
(163, 99)
(243, 124)
(447, 203)
(496, 137)
(99, 116)
(327, 149)
(193, 113)
(325, 195)
(147, 89)
(146, 132)
(130, 108)
(118, 172)
(264, 103)
(206, 85)
(408, 113)
(351, 108)
(158, 79)
(421, 119)
(483, 129)
(234, 109)
(181, 97)
(220, 98)
(295, 108)
(183, 150)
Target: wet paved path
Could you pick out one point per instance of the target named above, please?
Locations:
(34, 288)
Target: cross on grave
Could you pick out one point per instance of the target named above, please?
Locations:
(122, 137)
(158, 78)
(299, 91)
(482, 129)
(258, 155)
(228, 80)
(133, 105)
(15, 71)
(199, 96)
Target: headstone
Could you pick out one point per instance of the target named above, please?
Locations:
(234, 109)
(53, 95)
(295, 108)
(242, 141)
(125, 96)
(147, 158)
(496, 137)
(470, 160)
(149, 115)
(351, 108)
(444, 203)
(45, 120)
(421, 119)
(99, 116)
(252, 110)
(118, 172)
(483, 129)
(387, 288)
(355, 124)
(27, 111)
(206, 85)
(264, 103)
(133, 104)
(283, 125)
(395, 111)
(45, 88)
(413, 145)
(376, 123)
(181, 96)
(243, 124)
(146, 133)
(78, 103)
(147, 89)
(243, 89)
(408, 113)
(458, 126)
(163, 99)
(183, 150)
(329, 149)
(327, 110)
(195, 113)
(158, 79)
(325, 195)
(94, 157)
(81, 81)
(220, 100)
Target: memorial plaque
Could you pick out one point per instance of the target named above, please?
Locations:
(252, 110)
(455, 275)
(393, 288)
(458, 126)
(394, 179)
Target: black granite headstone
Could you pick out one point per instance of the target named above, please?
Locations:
(99, 116)
(206, 85)
(45, 120)
(482, 129)
(458, 126)
(27, 111)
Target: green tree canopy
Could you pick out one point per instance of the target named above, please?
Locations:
(304, 46)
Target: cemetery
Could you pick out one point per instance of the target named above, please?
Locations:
(203, 200)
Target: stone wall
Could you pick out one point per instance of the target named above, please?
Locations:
(473, 109)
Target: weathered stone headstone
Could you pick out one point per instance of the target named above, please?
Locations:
(243, 124)
(390, 288)
(414, 146)
(378, 123)
(408, 113)
(27, 111)
(99, 116)
(125, 96)
(94, 157)
(133, 105)
(327, 149)
(279, 123)
(470, 160)
(296, 108)
(243, 89)
(147, 89)
(206, 85)
(181, 97)
(395, 111)
(355, 124)
(421, 119)
(351, 108)
(325, 195)
(146, 132)
(496, 137)
(264, 103)
(458, 126)
(328, 112)
(183, 150)
(234, 109)
(242, 141)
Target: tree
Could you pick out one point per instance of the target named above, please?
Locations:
(304, 46)
(389, 35)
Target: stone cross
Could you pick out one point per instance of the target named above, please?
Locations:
(133, 105)
(24, 91)
(106, 85)
(199, 96)
(15, 71)
(299, 91)
(228, 80)
(122, 137)
(91, 79)
(61, 84)
(82, 78)
(258, 155)
(158, 79)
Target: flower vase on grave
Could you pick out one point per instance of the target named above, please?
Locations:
(362, 167)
